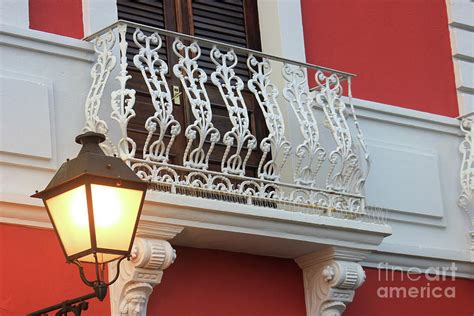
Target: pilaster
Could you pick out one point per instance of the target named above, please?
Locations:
(151, 255)
(331, 277)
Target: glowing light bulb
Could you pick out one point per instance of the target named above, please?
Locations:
(107, 205)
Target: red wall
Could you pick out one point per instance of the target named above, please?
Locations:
(214, 283)
(400, 49)
(63, 17)
(34, 273)
(368, 302)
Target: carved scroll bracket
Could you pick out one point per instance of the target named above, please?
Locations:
(331, 277)
(151, 254)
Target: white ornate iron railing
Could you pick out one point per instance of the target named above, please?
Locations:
(466, 172)
(328, 172)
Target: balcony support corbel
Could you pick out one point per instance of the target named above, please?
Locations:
(151, 255)
(331, 277)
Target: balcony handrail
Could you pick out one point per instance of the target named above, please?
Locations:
(344, 75)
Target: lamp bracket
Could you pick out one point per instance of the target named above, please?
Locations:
(75, 305)
(79, 304)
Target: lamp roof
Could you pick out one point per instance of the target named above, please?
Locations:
(91, 161)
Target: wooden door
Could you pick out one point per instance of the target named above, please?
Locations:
(230, 21)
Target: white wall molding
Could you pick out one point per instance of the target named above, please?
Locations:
(151, 255)
(15, 13)
(97, 14)
(421, 175)
(400, 257)
(396, 115)
(47, 43)
(331, 277)
(38, 102)
(461, 26)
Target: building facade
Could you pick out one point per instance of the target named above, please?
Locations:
(277, 187)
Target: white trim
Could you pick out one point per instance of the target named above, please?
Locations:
(33, 160)
(404, 262)
(461, 31)
(48, 43)
(281, 28)
(15, 13)
(406, 117)
(97, 14)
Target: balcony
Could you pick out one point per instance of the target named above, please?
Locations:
(322, 171)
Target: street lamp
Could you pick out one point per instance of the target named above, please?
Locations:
(94, 202)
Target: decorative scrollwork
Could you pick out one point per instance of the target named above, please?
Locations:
(466, 173)
(266, 93)
(155, 174)
(260, 190)
(193, 79)
(344, 172)
(123, 100)
(207, 181)
(230, 87)
(310, 155)
(154, 70)
(359, 186)
(100, 74)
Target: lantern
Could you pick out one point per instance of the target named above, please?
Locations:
(94, 203)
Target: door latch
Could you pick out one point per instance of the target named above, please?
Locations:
(176, 95)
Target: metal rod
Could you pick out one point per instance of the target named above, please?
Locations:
(234, 47)
(63, 304)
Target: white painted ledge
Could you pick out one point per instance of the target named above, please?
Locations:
(405, 117)
(47, 43)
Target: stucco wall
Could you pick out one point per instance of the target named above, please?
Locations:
(400, 50)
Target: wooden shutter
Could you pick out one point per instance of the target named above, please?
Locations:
(230, 21)
(148, 12)
(233, 22)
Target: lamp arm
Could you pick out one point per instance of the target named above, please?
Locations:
(118, 271)
(100, 291)
(82, 274)
(67, 306)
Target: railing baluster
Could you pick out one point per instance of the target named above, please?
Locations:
(309, 154)
(123, 100)
(193, 79)
(154, 70)
(275, 143)
(344, 172)
(359, 185)
(230, 87)
(100, 74)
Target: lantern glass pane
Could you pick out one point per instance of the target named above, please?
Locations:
(69, 214)
(115, 215)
